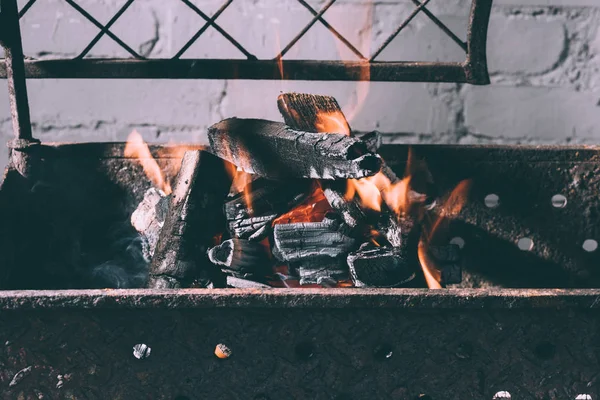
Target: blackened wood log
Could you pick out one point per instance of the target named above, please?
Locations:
(249, 215)
(273, 150)
(240, 256)
(240, 283)
(322, 270)
(298, 111)
(241, 181)
(372, 140)
(447, 259)
(381, 267)
(252, 228)
(148, 219)
(195, 216)
(294, 242)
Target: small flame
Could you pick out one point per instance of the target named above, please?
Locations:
(367, 191)
(332, 122)
(137, 148)
(432, 274)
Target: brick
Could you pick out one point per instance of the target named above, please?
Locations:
(532, 112)
(546, 3)
(524, 45)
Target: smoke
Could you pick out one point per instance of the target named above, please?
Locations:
(128, 267)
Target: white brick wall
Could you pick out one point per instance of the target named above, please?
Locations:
(544, 58)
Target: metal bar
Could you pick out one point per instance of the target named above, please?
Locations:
(102, 27)
(14, 70)
(201, 30)
(305, 29)
(443, 27)
(397, 31)
(333, 30)
(104, 30)
(241, 48)
(244, 69)
(476, 64)
(329, 298)
(26, 8)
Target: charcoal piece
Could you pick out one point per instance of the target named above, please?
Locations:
(148, 219)
(240, 283)
(240, 256)
(253, 228)
(302, 240)
(372, 140)
(249, 215)
(193, 219)
(321, 270)
(298, 111)
(447, 259)
(317, 108)
(273, 150)
(380, 267)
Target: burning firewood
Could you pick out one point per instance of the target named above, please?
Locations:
(273, 150)
(250, 213)
(381, 266)
(239, 256)
(447, 258)
(321, 270)
(372, 140)
(193, 219)
(241, 283)
(305, 240)
(148, 219)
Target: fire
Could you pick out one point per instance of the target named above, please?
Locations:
(138, 149)
(313, 209)
(332, 122)
(432, 274)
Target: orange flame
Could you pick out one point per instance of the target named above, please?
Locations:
(432, 274)
(313, 209)
(332, 122)
(138, 149)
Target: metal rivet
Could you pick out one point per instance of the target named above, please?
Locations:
(460, 242)
(590, 245)
(559, 201)
(491, 200)
(525, 244)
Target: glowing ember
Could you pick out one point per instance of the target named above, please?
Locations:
(313, 209)
(138, 149)
(430, 271)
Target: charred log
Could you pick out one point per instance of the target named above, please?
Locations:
(193, 219)
(447, 258)
(321, 270)
(372, 140)
(304, 240)
(250, 214)
(273, 150)
(298, 111)
(381, 267)
(148, 219)
(239, 256)
(240, 283)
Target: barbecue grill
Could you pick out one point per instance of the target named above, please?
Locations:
(522, 326)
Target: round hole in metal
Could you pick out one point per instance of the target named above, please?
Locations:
(559, 201)
(304, 350)
(383, 352)
(460, 242)
(590, 245)
(491, 200)
(525, 244)
(424, 397)
(141, 351)
(503, 394)
(583, 397)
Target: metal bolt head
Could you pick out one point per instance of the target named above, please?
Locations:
(141, 351)
(222, 351)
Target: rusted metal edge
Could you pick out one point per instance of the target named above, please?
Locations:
(315, 70)
(476, 70)
(408, 299)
